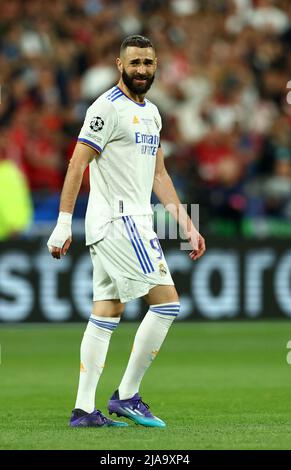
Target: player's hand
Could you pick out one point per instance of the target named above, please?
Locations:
(197, 242)
(61, 237)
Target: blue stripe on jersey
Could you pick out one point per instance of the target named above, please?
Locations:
(115, 89)
(116, 97)
(138, 104)
(103, 324)
(114, 92)
(134, 246)
(140, 244)
(92, 144)
(112, 96)
(139, 237)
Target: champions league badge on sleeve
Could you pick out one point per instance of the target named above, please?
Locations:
(97, 124)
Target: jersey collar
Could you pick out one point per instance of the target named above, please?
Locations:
(135, 102)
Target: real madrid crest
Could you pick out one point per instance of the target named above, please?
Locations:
(162, 269)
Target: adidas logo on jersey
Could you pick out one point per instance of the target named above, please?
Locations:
(135, 120)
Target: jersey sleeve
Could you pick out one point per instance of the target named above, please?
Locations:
(99, 124)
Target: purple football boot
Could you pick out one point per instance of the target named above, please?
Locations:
(95, 419)
(135, 409)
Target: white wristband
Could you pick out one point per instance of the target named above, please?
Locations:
(65, 218)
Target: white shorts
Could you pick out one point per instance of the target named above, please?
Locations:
(128, 261)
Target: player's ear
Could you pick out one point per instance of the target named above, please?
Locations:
(119, 65)
(156, 63)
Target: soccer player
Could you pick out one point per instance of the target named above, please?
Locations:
(120, 141)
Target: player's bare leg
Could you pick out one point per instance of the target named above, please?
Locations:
(103, 321)
(108, 308)
(161, 295)
(164, 306)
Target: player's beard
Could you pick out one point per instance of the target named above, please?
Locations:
(137, 89)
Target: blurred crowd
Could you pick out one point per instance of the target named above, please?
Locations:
(222, 87)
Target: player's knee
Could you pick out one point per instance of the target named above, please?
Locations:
(171, 296)
(108, 308)
(162, 295)
(119, 309)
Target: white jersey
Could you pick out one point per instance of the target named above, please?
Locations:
(127, 135)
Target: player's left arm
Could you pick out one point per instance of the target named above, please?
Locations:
(165, 191)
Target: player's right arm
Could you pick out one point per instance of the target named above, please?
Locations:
(61, 237)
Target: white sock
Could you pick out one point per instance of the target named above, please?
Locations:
(94, 349)
(148, 340)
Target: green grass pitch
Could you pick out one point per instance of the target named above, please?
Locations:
(217, 385)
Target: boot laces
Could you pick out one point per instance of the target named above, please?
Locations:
(140, 404)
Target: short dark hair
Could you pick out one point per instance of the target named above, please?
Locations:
(135, 41)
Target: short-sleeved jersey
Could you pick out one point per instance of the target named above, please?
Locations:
(127, 136)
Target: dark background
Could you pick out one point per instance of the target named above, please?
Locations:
(238, 281)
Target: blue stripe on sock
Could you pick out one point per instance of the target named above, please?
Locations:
(139, 237)
(109, 323)
(163, 313)
(134, 246)
(104, 321)
(103, 324)
(167, 306)
(174, 309)
(165, 310)
(170, 310)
